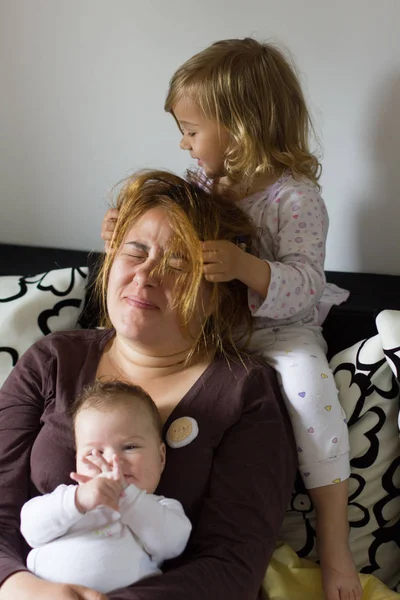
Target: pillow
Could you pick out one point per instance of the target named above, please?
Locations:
(388, 325)
(369, 394)
(33, 306)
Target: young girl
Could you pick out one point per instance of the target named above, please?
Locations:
(243, 117)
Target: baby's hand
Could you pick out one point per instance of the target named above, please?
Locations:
(108, 226)
(95, 491)
(222, 260)
(100, 491)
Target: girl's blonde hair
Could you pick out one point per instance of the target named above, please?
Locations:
(195, 215)
(251, 90)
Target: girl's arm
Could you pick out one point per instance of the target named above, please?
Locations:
(251, 482)
(297, 278)
(293, 282)
(159, 523)
(224, 261)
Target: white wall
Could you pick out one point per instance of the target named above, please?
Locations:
(81, 105)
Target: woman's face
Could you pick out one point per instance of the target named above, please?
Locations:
(140, 304)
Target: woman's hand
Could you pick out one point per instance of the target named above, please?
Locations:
(26, 586)
(108, 226)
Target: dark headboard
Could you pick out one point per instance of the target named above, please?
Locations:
(29, 260)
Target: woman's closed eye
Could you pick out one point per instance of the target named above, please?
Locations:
(136, 257)
(178, 264)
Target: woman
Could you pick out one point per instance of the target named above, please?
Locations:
(231, 458)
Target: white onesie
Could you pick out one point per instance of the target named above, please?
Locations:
(102, 549)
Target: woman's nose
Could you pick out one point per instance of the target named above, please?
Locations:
(146, 274)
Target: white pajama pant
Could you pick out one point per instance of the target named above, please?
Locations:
(298, 354)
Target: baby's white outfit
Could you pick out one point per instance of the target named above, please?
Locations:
(102, 549)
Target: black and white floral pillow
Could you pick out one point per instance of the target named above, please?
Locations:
(388, 324)
(31, 307)
(369, 392)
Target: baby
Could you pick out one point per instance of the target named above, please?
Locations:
(110, 530)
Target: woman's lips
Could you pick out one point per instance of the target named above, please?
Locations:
(140, 303)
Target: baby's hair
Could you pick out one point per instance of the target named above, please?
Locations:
(108, 395)
(253, 91)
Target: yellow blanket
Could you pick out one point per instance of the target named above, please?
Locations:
(292, 578)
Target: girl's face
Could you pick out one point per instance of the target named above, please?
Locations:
(140, 302)
(206, 142)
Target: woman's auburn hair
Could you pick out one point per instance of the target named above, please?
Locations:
(195, 214)
(253, 91)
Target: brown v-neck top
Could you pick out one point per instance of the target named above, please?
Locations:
(234, 479)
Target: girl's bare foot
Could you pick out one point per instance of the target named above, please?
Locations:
(340, 579)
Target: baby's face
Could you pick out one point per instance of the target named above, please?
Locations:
(129, 433)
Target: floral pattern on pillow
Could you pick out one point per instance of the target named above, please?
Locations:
(33, 306)
(369, 394)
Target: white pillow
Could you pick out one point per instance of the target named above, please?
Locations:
(31, 307)
(388, 324)
(369, 395)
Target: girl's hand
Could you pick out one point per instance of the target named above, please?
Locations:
(108, 226)
(222, 261)
(26, 586)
